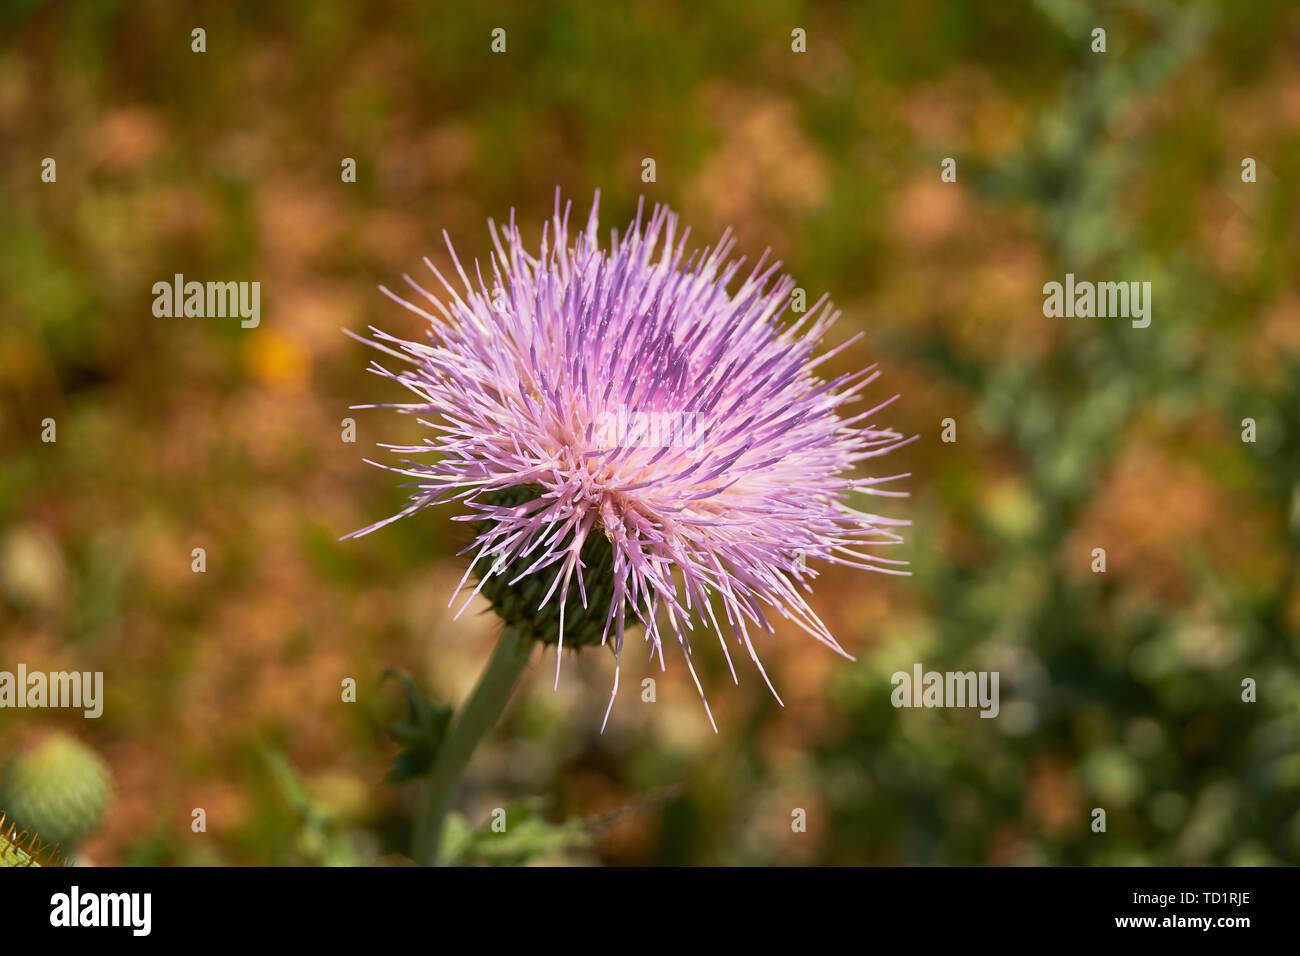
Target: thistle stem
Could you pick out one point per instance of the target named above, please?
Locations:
(477, 715)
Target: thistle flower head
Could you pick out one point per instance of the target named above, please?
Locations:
(634, 441)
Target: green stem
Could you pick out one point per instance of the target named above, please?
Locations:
(478, 714)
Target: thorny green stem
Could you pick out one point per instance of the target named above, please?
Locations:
(476, 717)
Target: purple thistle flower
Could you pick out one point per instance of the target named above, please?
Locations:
(616, 419)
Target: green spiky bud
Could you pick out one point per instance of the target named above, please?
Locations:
(518, 604)
(57, 791)
(24, 849)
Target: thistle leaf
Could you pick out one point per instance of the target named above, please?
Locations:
(420, 733)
